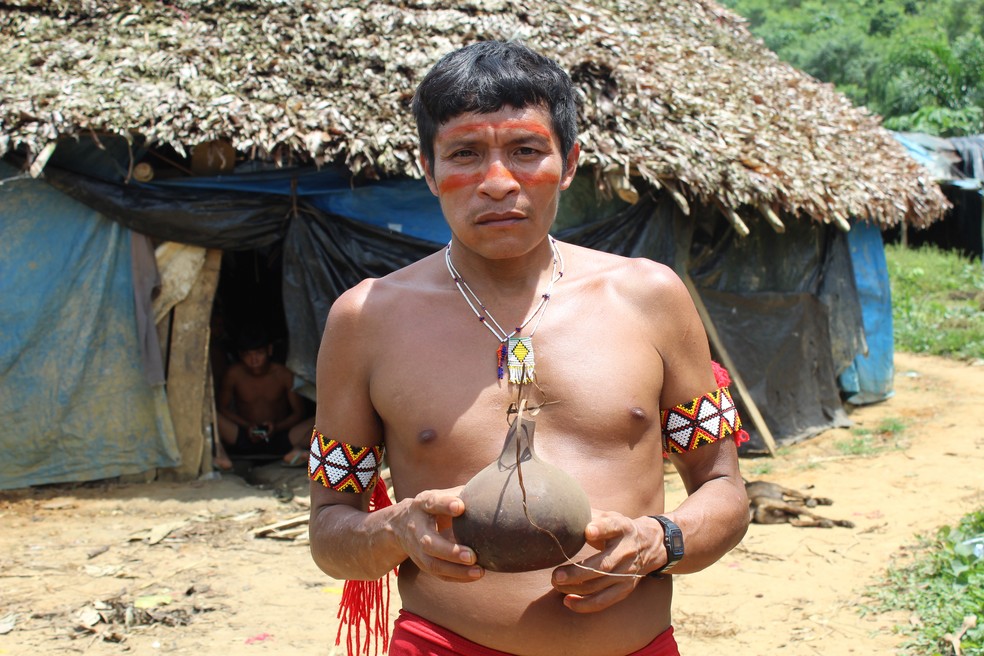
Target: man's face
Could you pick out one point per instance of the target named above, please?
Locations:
(498, 177)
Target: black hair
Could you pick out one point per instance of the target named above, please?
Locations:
(484, 77)
(252, 337)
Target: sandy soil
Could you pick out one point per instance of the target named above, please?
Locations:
(166, 568)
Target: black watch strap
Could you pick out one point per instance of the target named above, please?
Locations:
(672, 541)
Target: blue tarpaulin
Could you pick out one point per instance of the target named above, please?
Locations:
(869, 378)
(404, 206)
(75, 404)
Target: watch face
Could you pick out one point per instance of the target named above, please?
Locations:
(676, 543)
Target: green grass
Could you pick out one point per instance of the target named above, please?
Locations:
(937, 309)
(868, 442)
(938, 589)
(762, 468)
(937, 302)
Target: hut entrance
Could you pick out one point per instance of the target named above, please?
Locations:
(248, 296)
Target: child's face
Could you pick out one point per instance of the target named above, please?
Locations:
(255, 359)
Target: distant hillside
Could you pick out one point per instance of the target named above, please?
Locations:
(918, 63)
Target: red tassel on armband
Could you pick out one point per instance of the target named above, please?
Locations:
(723, 379)
(365, 602)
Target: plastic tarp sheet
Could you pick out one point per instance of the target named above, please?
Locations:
(971, 150)
(870, 376)
(209, 218)
(253, 210)
(345, 252)
(787, 310)
(74, 401)
(792, 295)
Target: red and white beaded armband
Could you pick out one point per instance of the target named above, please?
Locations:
(343, 467)
(706, 419)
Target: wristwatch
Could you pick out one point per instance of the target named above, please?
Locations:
(672, 541)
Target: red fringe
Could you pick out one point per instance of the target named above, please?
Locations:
(723, 379)
(364, 603)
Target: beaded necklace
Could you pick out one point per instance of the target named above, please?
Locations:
(514, 353)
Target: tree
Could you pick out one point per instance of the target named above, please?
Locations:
(915, 62)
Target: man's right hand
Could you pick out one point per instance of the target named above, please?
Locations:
(425, 534)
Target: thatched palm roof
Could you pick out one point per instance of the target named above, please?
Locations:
(676, 91)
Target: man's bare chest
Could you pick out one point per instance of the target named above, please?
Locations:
(266, 389)
(435, 383)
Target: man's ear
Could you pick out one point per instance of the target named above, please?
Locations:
(570, 166)
(428, 174)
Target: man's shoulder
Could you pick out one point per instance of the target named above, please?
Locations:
(375, 295)
(627, 273)
(235, 370)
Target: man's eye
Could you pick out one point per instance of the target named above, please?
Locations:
(463, 153)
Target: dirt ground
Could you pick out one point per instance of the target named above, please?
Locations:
(183, 569)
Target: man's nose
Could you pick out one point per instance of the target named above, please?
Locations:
(498, 181)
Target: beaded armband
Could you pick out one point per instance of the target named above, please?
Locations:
(343, 467)
(705, 420)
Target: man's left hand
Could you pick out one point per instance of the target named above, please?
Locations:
(624, 548)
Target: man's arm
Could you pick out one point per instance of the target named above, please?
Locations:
(348, 542)
(714, 516)
(227, 395)
(294, 400)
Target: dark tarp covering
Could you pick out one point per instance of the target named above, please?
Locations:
(75, 404)
(792, 296)
(212, 219)
(971, 151)
(788, 313)
(325, 255)
(962, 230)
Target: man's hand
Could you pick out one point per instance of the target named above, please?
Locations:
(624, 548)
(425, 535)
(260, 432)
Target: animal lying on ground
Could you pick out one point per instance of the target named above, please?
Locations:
(770, 503)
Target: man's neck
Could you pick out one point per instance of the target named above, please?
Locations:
(505, 277)
(259, 372)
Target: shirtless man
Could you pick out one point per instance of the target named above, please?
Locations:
(404, 364)
(259, 411)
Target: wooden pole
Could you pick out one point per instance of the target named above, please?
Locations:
(187, 371)
(753, 414)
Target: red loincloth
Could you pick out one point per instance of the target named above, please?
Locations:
(415, 636)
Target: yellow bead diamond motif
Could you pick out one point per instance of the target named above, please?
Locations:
(520, 350)
(520, 356)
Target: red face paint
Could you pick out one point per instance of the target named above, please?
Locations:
(457, 181)
(537, 178)
(501, 139)
(465, 130)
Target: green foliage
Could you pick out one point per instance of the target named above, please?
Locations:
(940, 121)
(943, 585)
(756, 469)
(867, 442)
(937, 302)
(917, 63)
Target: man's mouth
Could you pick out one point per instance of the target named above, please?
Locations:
(499, 218)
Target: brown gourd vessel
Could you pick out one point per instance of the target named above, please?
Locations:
(522, 513)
